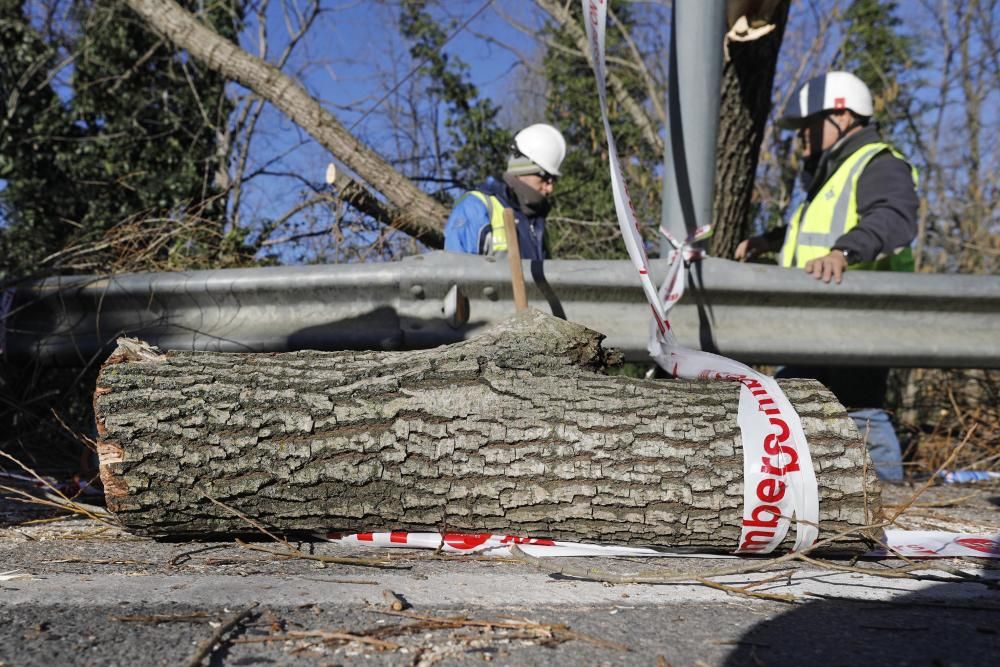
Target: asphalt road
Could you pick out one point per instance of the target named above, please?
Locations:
(94, 596)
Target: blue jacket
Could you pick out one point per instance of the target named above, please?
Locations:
(468, 227)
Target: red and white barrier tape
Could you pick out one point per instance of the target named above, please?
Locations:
(484, 543)
(908, 543)
(779, 481)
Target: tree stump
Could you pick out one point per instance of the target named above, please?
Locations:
(516, 431)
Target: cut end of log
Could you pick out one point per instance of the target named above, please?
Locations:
(109, 452)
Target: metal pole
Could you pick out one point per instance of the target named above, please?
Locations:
(696, 33)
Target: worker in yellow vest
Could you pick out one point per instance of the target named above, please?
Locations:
(860, 212)
(476, 223)
(861, 203)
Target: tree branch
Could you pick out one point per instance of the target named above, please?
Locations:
(414, 211)
(564, 19)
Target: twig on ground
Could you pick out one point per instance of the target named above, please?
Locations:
(93, 534)
(904, 571)
(61, 501)
(343, 636)
(395, 600)
(74, 508)
(421, 624)
(324, 636)
(186, 556)
(251, 522)
(205, 648)
(744, 590)
(558, 632)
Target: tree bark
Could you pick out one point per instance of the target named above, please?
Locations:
(515, 431)
(417, 213)
(747, 79)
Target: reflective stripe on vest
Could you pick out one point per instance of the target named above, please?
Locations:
(817, 224)
(498, 233)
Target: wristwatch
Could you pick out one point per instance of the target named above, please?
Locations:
(849, 255)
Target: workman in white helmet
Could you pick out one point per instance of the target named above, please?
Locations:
(860, 212)
(476, 223)
(861, 202)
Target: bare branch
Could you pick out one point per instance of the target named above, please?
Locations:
(416, 213)
(564, 19)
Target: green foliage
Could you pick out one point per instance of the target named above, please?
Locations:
(35, 128)
(582, 224)
(151, 117)
(480, 145)
(878, 52)
(138, 135)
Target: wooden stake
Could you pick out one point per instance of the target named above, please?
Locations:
(514, 257)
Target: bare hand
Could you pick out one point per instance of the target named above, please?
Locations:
(828, 266)
(750, 247)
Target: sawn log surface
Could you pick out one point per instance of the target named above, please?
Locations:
(516, 431)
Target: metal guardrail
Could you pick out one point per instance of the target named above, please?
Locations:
(754, 313)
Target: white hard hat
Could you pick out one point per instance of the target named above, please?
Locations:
(832, 91)
(543, 145)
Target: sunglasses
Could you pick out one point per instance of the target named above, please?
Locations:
(547, 178)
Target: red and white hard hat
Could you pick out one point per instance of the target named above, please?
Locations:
(543, 145)
(833, 91)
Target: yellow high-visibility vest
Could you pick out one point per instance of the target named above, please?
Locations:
(495, 208)
(818, 224)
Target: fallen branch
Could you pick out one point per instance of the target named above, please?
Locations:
(745, 590)
(557, 632)
(416, 212)
(205, 648)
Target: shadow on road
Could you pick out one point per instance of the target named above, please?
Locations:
(950, 624)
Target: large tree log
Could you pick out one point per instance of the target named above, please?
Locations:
(514, 431)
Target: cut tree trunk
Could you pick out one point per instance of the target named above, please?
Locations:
(745, 104)
(516, 431)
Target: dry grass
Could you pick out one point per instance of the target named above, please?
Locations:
(936, 407)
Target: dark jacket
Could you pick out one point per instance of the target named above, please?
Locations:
(887, 200)
(887, 205)
(468, 227)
